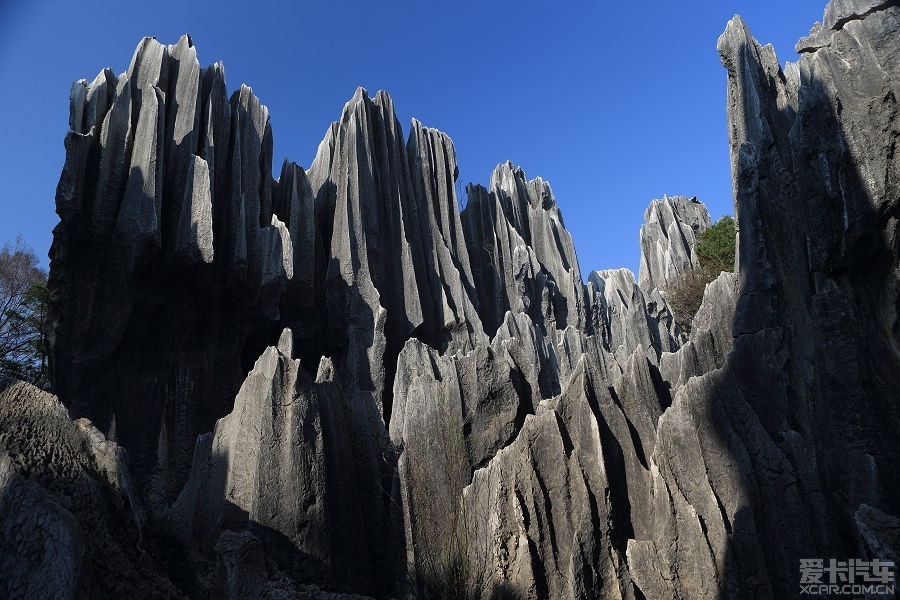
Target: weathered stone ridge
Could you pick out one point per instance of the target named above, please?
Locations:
(522, 256)
(670, 231)
(71, 521)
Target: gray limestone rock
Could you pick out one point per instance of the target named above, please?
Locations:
(814, 325)
(194, 241)
(668, 235)
(588, 449)
(623, 320)
(279, 466)
(240, 473)
(536, 504)
(71, 522)
(432, 164)
(522, 257)
(32, 522)
(243, 570)
(711, 335)
(879, 531)
(452, 414)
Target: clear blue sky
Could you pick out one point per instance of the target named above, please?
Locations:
(615, 103)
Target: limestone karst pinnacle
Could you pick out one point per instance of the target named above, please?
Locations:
(318, 383)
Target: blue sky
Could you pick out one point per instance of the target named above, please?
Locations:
(615, 103)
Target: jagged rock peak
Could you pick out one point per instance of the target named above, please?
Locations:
(518, 192)
(668, 235)
(507, 176)
(623, 321)
(166, 180)
(523, 259)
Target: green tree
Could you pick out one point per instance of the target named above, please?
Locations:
(23, 307)
(715, 252)
(715, 248)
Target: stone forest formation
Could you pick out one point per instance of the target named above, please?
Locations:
(338, 384)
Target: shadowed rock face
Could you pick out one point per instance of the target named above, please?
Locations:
(168, 263)
(522, 256)
(336, 376)
(71, 520)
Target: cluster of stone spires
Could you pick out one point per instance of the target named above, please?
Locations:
(168, 195)
(285, 360)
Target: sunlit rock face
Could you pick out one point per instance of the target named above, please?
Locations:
(336, 380)
(668, 236)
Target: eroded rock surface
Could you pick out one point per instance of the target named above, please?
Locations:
(668, 235)
(331, 378)
(71, 523)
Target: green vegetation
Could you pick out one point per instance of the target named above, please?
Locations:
(23, 307)
(716, 246)
(715, 250)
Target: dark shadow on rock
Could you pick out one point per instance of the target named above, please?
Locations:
(504, 591)
(806, 402)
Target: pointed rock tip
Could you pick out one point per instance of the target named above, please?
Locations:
(325, 372)
(215, 71)
(139, 50)
(416, 130)
(673, 200)
(290, 167)
(518, 172)
(416, 123)
(472, 187)
(384, 98)
(622, 271)
(736, 24)
(184, 41)
(249, 100)
(360, 98)
(244, 93)
(359, 95)
(736, 34)
(506, 166)
(815, 40)
(105, 74)
(286, 342)
(616, 277)
(146, 42)
(183, 49)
